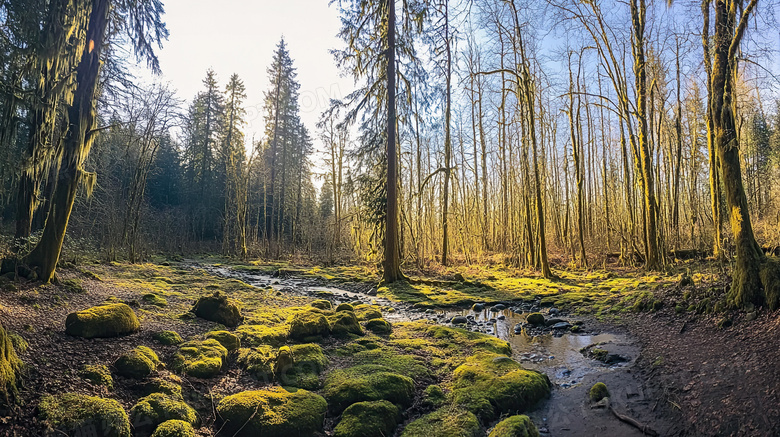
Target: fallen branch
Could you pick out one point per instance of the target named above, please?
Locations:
(644, 428)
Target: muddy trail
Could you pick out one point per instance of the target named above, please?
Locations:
(574, 351)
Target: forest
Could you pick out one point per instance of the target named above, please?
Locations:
(525, 218)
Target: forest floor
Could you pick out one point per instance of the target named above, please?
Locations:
(686, 365)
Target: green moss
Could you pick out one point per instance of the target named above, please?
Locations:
(413, 366)
(368, 419)
(259, 361)
(445, 422)
(227, 339)
(322, 304)
(137, 363)
(367, 312)
(308, 362)
(515, 426)
(218, 308)
(256, 335)
(490, 385)
(76, 414)
(433, 396)
(598, 392)
(97, 374)
(174, 428)
(201, 359)
(345, 307)
(379, 326)
(344, 323)
(275, 412)
(598, 354)
(169, 385)
(102, 321)
(368, 382)
(168, 338)
(152, 410)
(474, 340)
(308, 324)
(536, 319)
(73, 286)
(19, 343)
(153, 299)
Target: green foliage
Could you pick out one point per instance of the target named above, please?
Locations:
(368, 419)
(276, 412)
(77, 414)
(515, 426)
(102, 321)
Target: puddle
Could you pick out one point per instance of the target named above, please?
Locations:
(556, 353)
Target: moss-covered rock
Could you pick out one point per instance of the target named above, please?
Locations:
(367, 312)
(458, 338)
(433, 396)
(168, 338)
(284, 360)
(137, 363)
(152, 410)
(169, 384)
(367, 382)
(258, 335)
(201, 359)
(368, 419)
(379, 326)
(344, 323)
(154, 299)
(490, 385)
(225, 338)
(515, 426)
(308, 325)
(322, 304)
(598, 392)
(536, 319)
(308, 361)
(110, 320)
(276, 412)
(218, 308)
(259, 361)
(76, 414)
(345, 307)
(174, 428)
(97, 374)
(445, 422)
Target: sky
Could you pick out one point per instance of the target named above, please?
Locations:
(240, 36)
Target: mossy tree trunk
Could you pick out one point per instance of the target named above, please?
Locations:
(78, 139)
(10, 364)
(746, 289)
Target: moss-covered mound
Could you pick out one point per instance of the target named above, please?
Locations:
(174, 428)
(490, 385)
(322, 304)
(368, 419)
(367, 312)
(308, 325)
(97, 374)
(457, 337)
(168, 338)
(445, 422)
(225, 338)
(218, 308)
(110, 320)
(536, 319)
(345, 307)
(258, 335)
(154, 299)
(308, 361)
(169, 384)
(379, 326)
(152, 410)
(515, 426)
(259, 361)
(368, 382)
(138, 363)
(275, 412)
(201, 359)
(75, 414)
(598, 392)
(433, 396)
(344, 323)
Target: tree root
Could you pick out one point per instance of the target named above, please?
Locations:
(644, 428)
